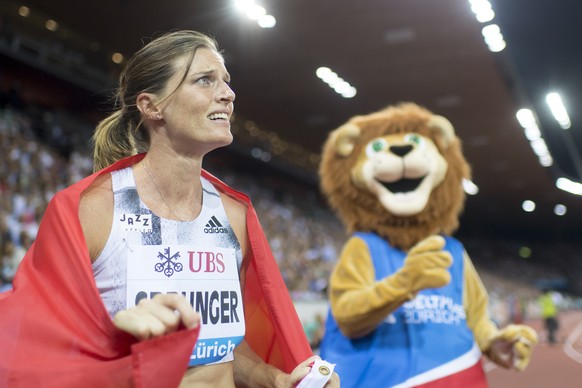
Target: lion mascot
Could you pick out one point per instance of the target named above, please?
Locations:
(408, 308)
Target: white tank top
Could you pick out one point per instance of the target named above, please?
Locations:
(146, 254)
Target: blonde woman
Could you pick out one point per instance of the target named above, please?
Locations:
(158, 253)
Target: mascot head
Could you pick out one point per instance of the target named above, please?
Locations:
(397, 172)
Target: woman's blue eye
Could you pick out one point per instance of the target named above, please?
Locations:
(203, 80)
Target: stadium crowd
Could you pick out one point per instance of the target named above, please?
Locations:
(304, 235)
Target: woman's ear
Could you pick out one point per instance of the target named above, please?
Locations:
(147, 107)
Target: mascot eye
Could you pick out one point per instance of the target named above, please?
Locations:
(375, 146)
(415, 139)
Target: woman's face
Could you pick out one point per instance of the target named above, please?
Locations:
(197, 116)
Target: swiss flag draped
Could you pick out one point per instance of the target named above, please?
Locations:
(55, 331)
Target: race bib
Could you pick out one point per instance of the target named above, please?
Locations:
(208, 277)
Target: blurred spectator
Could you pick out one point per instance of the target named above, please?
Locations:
(12, 256)
(549, 313)
(304, 235)
(314, 330)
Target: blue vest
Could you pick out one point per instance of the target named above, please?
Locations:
(420, 335)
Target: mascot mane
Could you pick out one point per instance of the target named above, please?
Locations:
(359, 209)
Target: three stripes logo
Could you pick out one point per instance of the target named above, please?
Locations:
(214, 226)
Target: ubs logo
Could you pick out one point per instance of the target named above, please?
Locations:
(169, 264)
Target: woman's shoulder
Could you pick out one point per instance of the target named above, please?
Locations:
(96, 212)
(98, 191)
(235, 209)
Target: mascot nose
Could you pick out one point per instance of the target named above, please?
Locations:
(401, 150)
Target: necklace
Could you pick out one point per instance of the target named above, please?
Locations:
(145, 165)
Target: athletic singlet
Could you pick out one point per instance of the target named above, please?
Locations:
(146, 254)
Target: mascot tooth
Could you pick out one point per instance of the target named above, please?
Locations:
(407, 307)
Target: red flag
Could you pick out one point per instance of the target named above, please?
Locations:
(273, 329)
(55, 331)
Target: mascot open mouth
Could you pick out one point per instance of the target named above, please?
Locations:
(403, 185)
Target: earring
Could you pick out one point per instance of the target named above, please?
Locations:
(158, 116)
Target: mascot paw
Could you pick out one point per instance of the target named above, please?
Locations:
(513, 346)
(426, 265)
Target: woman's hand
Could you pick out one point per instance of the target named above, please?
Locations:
(156, 317)
(303, 370)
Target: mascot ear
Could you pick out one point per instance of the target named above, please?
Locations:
(444, 129)
(344, 139)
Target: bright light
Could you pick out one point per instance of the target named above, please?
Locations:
(255, 12)
(526, 118)
(569, 186)
(351, 92)
(532, 132)
(485, 16)
(492, 33)
(51, 25)
(117, 58)
(482, 10)
(539, 147)
(493, 37)
(244, 5)
(267, 21)
(528, 206)
(337, 83)
(558, 110)
(525, 252)
(341, 87)
(24, 11)
(327, 75)
(470, 187)
(560, 210)
(323, 72)
(546, 160)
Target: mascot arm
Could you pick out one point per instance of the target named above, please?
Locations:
(510, 347)
(476, 303)
(359, 303)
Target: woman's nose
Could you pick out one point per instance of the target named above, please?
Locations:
(226, 93)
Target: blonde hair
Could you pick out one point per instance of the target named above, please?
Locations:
(122, 134)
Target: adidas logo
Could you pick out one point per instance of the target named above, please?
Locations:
(214, 226)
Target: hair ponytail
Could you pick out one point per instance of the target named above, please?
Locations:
(113, 140)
